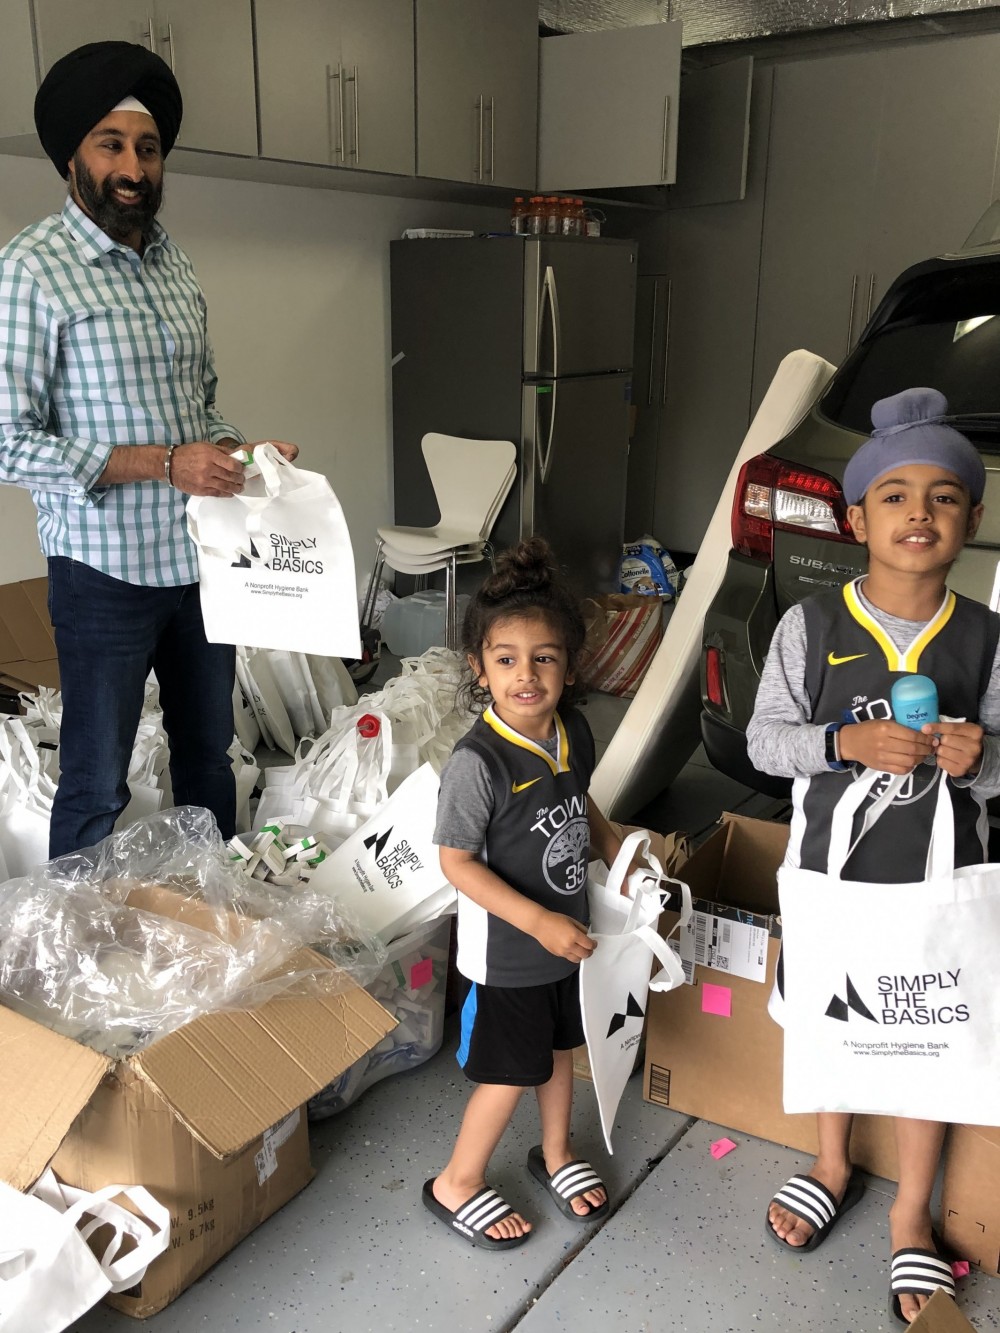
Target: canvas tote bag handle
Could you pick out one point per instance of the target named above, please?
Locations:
(941, 850)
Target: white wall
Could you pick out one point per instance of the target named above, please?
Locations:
(297, 283)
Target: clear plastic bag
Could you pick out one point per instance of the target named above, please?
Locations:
(117, 945)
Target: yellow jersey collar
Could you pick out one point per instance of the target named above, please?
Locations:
(909, 660)
(559, 765)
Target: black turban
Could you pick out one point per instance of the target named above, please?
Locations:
(81, 88)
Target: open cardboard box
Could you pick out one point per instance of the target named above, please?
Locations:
(27, 645)
(209, 1118)
(728, 1069)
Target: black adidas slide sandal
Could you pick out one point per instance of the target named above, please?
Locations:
(918, 1273)
(811, 1201)
(471, 1221)
(569, 1183)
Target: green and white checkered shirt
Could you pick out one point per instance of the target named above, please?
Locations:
(102, 348)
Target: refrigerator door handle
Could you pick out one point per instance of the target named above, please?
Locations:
(550, 293)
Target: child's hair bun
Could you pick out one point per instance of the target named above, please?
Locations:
(525, 568)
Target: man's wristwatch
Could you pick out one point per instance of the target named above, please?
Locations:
(832, 748)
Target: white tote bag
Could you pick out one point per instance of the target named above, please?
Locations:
(49, 1276)
(276, 563)
(891, 1001)
(389, 872)
(615, 978)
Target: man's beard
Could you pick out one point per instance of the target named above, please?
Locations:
(119, 221)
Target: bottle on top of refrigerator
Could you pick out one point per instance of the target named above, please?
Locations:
(537, 219)
(573, 220)
(519, 216)
(553, 215)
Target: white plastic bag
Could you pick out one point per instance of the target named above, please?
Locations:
(891, 1004)
(615, 978)
(48, 1275)
(276, 562)
(254, 670)
(147, 1224)
(388, 873)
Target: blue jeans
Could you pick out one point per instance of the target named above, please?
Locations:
(109, 635)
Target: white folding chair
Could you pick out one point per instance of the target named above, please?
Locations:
(471, 480)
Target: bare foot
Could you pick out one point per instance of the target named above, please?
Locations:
(910, 1230)
(454, 1195)
(794, 1230)
(583, 1203)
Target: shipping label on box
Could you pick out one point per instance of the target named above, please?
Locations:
(726, 939)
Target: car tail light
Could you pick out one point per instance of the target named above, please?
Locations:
(713, 677)
(771, 493)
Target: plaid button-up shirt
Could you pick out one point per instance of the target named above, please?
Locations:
(101, 347)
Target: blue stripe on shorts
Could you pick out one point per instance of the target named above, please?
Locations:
(468, 1021)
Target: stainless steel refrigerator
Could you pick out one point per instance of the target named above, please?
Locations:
(527, 340)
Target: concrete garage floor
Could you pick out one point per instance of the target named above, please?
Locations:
(684, 1248)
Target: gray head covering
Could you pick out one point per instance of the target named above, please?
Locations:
(910, 428)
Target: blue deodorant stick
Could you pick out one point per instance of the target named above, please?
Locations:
(915, 701)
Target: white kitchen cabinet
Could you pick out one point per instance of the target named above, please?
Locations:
(336, 82)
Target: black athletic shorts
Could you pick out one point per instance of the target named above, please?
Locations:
(510, 1032)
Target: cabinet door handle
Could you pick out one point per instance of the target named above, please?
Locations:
(170, 46)
(666, 340)
(666, 126)
(652, 341)
(356, 151)
(492, 139)
(336, 149)
(850, 316)
(871, 295)
(150, 36)
(478, 173)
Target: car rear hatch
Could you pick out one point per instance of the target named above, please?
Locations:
(938, 325)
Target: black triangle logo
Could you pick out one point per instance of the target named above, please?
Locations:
(840, 1009)
(378, 841)
(244, 561)
(633, 1009)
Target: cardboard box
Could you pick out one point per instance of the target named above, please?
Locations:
(970, 1197)
(728, 1069)
(27, 645)
(941, 1315)
(211, 1118)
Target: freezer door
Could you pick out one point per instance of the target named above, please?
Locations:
(579, 306)
(574, 467)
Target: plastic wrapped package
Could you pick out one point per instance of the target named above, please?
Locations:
(117, 945)
(411, 986)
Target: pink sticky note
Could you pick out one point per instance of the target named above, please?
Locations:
(960, 1268)
(720, 1147)
(716, 1000)
(421, 973)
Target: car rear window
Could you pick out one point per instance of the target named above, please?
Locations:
(942, 329)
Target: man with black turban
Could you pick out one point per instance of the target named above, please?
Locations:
(108, 417)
